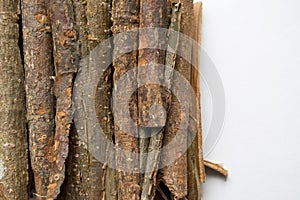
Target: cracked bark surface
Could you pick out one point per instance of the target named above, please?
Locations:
(39, 70)
(125, 17)
(153, 14)
(13, 136)
(64, 37)
(176, 175)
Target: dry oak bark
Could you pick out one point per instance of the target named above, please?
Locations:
(125, 17)
(13, 136)
(65, 61)
(39, 70)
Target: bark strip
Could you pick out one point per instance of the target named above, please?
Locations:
(13, 137)
(216, 167)
(176, 175)
(78, 184)
(98, 21)
(39, 69)
(65, 61)
(153, 14)
(125, 17)
(150, 182)
(195, 82)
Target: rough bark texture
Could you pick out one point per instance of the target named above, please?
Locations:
(39, 69)
(65, 60)
(153, 14)
(175, 176)
(125, 16)
(13, 137)
(98, 20)
(77, 186)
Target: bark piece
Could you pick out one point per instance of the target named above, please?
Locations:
(216, 167)
(98, 23)
(150, 182)
(78, 184)
(195, 82)
(125, 17)
(195, 155)
(65, 61)
(38, 64)
(13, 136)
(175, 176)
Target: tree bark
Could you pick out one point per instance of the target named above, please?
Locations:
(13, 137)
(65, 61)
(98, 20)
(125, 16)
(39, 69)
(78, 184)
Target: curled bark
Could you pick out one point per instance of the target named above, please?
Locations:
(39, 69)
(125, 17)
(13, 137)
(65, 61)
(216, 167)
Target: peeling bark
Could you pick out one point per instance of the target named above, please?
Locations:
(39, 69)
(13, 137)
(125, 17)
(65, 61)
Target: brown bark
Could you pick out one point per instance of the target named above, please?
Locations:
(77, 186)
(175, 176)
(39, 69)
(195, 82)
(125, 16)
(216, 167)
(153, 14)
(195, 154)
(65, 60)
(98, 21)
(13, 137)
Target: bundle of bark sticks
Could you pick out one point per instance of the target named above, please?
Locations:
(42, 43)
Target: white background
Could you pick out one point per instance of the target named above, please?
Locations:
(255, 46)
